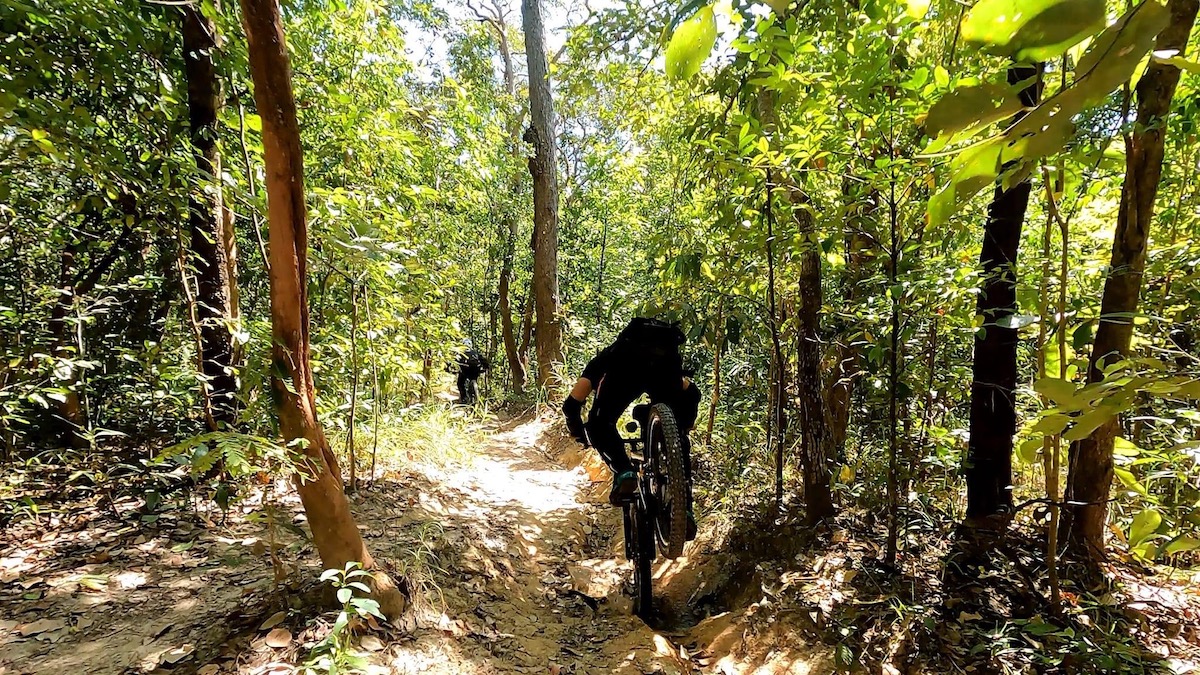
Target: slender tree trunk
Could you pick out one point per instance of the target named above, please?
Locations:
(211, 244)
(70, 412)
(73, 283)
(716, 392)
(334, 531)
(351, 447)
(1091, 460)
(839, 385)
(544, 170)
(516, 364)
(994, 370)
(778, 396)
(527, 327)
(814, 436)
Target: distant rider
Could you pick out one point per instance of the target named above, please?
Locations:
(469, 364)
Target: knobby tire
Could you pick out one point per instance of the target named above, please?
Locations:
(673, 500)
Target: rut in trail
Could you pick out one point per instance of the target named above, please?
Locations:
(532, 575)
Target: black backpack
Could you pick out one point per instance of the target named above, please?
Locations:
(652, 341)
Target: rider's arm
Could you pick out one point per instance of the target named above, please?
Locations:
(573, 408)
(573, 405)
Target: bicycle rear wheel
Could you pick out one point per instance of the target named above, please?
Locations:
(643, 557)
(669, 481)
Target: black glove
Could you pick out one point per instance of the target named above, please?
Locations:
(573, 410)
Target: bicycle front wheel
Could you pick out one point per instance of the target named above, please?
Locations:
(669, 481)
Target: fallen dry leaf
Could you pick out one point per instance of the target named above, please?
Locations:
(273, 620)
(41, 626)
(210, 669)
(178, 653)
(371, 643)
(279, 638)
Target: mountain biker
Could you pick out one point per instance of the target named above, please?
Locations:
(469, 364)
(644, 359)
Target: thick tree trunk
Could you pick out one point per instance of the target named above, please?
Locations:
(994, 370)
(335, 533)
(544, 170)
(211, 238)
(1091, 460)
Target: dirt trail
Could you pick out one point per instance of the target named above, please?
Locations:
(515, 559)
(531, 574)
(534, 578)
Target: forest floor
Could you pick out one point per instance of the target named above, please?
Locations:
(514, 558)
(514, 563)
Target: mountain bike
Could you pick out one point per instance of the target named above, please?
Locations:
(656, 519)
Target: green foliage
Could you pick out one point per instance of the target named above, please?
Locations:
(334, 654)
(1032, 31)
(691, 44)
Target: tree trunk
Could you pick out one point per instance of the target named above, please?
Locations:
(516, 364)
(334, 531)
(716, 392)
(211, 244)
(994, 369)
(544, 170)
(814, 436)
(351, 446)
(1091, 460)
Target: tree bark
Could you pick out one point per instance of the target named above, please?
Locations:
(335, 533)
(993, 417)
(211, 240)
(814, 436)
(1090, 461)
(544, 170)
(516, 364)
(716, 392)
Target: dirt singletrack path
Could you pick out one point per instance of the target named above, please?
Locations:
(532, 574)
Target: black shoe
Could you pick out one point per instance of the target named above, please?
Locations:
(623, 489)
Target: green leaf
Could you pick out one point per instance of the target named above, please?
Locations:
(1051, 425)
(1171, 58)
(1032, 30)
(1125, 447)
(1112, 57)
(1082, 336)
(1030, 451)
(972, 106)
(1182, 544)
(1144, 524)
(780, 7)
(691, 44)
(1057, 390)
(916, 9)
(1129, 480)
(344, 595)
(1088, 422)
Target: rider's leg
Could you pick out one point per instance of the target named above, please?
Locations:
(462, 387)
(612, 398)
